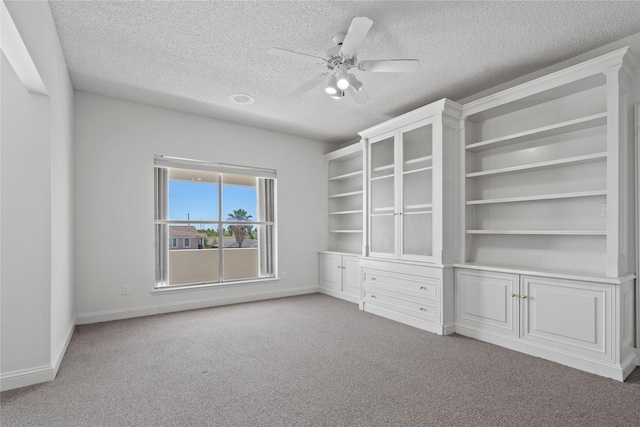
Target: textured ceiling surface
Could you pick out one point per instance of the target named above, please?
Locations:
(192, 55)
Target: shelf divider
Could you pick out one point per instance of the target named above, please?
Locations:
(542, 132)
(542, 232)
(588, 158)
(539, 197)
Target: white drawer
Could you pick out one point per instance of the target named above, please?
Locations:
(420, 309)
(422, 287)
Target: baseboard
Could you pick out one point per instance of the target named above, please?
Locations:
(57, 358)
(127, 313)
(609, 370)
(26, 377)
(339, 295)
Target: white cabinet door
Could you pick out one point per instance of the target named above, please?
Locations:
(487, 301)
(330, 271)
(566, 315)
(351, 275)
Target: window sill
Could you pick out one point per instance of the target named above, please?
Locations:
(202, 286)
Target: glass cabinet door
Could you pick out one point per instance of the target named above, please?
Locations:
(382, 210)
(417, 192)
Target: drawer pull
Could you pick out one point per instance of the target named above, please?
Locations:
(373, 279)
(423, 309)
(373, 296)
(422, 288)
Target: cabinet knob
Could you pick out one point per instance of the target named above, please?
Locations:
(513, 295)
(524, 297)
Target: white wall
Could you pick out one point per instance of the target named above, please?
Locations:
(115, 145)
(37, 206)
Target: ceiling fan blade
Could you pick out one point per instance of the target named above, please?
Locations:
(309, 85)
(360, 96)
(358, 29)
(295, 55)
(390, 65)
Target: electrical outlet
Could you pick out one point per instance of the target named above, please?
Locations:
(125, 289)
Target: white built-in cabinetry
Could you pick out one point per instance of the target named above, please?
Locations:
(508, 219)
(412, 174)
(548, 195)
(586, 323)
(339, 268)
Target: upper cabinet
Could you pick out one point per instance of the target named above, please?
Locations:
(409, 189)
(548, 173)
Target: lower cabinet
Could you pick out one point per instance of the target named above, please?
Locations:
(583, 324)
(411, 294)
(339, 275)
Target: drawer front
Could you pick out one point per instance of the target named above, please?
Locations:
(423, 310)
(415, 286)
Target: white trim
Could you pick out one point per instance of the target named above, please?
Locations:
(339, 295)
(609, 370)
(17, 54)
(57, 358)
(127, 313)
(637, 193)
(161, 161)
(26, 377)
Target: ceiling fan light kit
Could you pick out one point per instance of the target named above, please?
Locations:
(341, 58)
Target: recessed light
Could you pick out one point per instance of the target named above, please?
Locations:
(241, 99)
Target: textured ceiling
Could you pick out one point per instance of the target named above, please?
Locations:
(192, 55)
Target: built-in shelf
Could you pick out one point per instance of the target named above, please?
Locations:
(345, 176)
(428, 168)
(346, 212)
(543, 232)
(541, 165)
(419, 206)
(382, 177)
(383, 168)
(383, 210)
(418, 160)
(539, 197)
(346, 231)
(349, 194)
(542, 132)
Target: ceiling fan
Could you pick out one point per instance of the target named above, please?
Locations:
(341, 59)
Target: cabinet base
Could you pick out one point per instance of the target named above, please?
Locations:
(340, 295)
(610, 370)
(436, 328)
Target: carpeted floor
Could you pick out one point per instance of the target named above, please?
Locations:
(307, 361)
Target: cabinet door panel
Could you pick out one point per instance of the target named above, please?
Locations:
(417, 239)
(351, 275)
(567, 315)
(330, 271)
(383, 235)
(485, 301)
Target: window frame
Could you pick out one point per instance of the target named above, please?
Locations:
(268, 249)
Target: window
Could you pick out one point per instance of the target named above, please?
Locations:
(228, 211)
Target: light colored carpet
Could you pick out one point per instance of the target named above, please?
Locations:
(307, 361)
